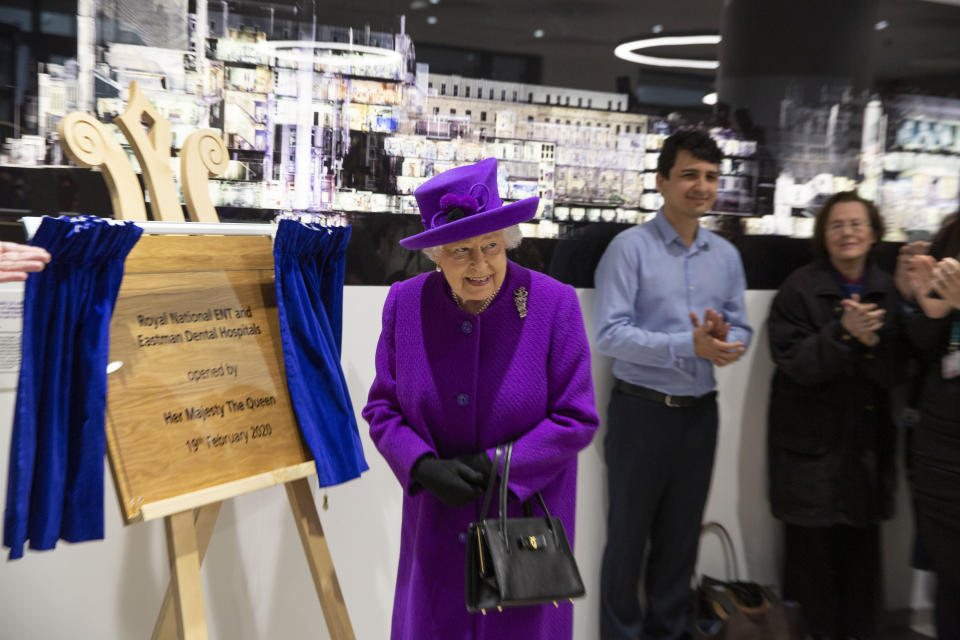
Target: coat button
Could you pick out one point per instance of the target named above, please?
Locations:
(466, 327)
(462, 537)
(463, 399)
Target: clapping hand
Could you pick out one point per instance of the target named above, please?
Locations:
(905, 264)
(707, 345)
(720, 328)
(862, 320)
(946, 281)
(927, 276)
(19, 260)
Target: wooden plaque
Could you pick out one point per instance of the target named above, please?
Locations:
(197, 403)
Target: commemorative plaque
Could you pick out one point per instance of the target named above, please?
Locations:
(197, 396)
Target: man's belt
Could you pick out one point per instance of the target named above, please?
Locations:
(664, 398)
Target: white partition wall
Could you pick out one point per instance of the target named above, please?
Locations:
(256, 582)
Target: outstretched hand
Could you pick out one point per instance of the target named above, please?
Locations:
(705, 343)
(19, 260)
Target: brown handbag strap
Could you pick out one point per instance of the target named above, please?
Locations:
(730, 553)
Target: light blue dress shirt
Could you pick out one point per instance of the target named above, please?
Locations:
(647, 283)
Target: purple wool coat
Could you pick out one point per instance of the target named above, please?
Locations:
(450, 383)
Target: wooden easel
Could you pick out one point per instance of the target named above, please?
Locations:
(188, 535)
(145, 406)
(189, 518)
(235, 271)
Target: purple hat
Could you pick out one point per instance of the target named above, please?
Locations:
(462, 203)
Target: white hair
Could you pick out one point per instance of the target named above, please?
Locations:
(511, 240)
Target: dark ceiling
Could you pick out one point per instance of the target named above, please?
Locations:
(921, 45)
(920, 49)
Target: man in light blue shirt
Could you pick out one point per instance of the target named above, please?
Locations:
(669, 307)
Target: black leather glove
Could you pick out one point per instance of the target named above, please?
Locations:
(479, 462)
(453, 482)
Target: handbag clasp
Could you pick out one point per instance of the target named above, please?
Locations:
(533, 543)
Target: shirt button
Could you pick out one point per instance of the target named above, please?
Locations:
(467, 327)
(463, 399)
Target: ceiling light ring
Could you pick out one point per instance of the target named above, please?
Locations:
(628, 50)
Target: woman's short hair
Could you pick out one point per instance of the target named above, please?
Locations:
(820, 222)
(511, 240)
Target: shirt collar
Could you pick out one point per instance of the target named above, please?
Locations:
(669, 234)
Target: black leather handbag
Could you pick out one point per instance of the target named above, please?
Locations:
(515, 562)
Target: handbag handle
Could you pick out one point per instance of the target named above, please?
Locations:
(490, 482)
(504, 492)
(506, 453)
(730, 554)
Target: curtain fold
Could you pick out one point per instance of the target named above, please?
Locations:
(309, 264)
(55, 476)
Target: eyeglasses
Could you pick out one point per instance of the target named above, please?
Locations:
(469, 254)
(855, 226)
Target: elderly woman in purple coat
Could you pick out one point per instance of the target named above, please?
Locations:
(479, 353)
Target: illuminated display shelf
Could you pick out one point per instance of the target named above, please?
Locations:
(569, 156)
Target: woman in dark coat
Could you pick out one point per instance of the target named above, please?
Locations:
(934, 452)
(834, 336)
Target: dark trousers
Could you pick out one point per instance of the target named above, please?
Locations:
(835, 574)
(947, 607)
(659, 463)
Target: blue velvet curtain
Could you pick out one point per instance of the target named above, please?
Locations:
(309, 263)
(55, 478)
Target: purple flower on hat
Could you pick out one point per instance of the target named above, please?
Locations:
(468, 195)
(455, 207)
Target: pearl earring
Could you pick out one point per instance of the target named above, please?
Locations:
(439, 269)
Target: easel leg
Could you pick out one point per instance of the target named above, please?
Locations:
(185, 575)
(318, 556)
(204, 520)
